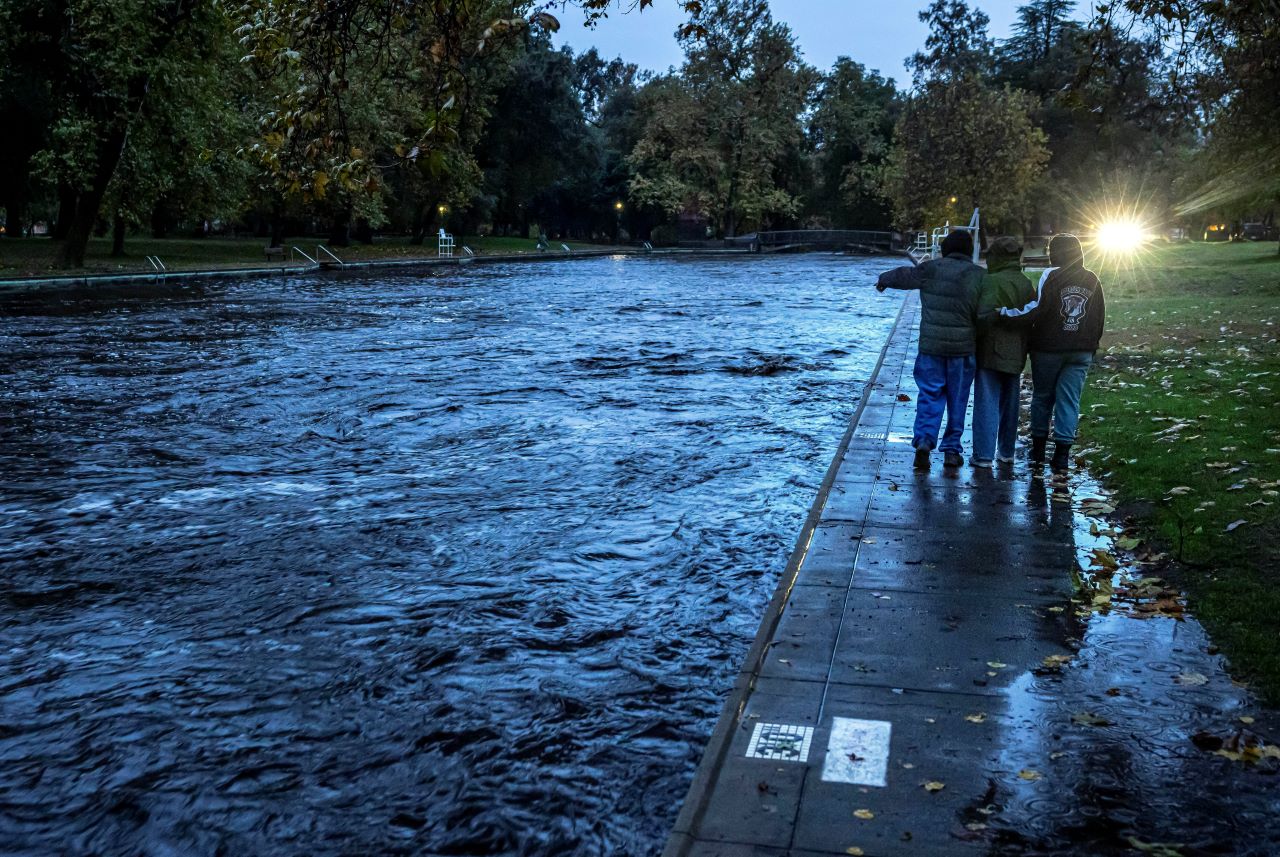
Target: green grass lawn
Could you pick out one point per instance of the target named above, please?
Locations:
(25, 257)
(1181, 418)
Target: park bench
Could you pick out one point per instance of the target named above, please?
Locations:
(275, 254)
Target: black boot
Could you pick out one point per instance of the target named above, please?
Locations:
(922, 459)
(1061, 457)
(1037, 449)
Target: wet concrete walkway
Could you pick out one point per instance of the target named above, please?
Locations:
(959, 662)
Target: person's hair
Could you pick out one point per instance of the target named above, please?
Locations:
(1065, 251)
(1006, 246)
(958, 241)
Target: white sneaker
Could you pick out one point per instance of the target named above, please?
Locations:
(980, 462)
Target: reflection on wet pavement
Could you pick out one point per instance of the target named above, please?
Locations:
(1133, 738)
(977, 662)
(448, 564)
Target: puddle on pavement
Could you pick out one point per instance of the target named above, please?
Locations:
(1134, 739)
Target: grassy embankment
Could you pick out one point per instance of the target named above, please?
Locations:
(25, 257)
(1182, 420)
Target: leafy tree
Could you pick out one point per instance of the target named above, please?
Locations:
(851, 132)
(538, 151)
(180, 161)
(958, 43)
(100, 62)
(966, 140)
(1110, 128)
(28, 49)
(716, 134)
(1226, 63)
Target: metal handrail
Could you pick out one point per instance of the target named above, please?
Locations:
(303, 254)
(565, 248)
(320, 248)
(468, 250)
(156, 264)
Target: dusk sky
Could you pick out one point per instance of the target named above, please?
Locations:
(880, 34)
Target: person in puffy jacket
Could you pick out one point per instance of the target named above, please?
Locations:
(1002, 355)
(949, 289)
(1064, 326)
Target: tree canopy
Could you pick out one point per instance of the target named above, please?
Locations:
(358, 117)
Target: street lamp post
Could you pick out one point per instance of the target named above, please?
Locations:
(617, 228)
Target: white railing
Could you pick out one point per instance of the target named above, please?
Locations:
(934, 247)
(444, 244)
(156, 264)
(321, 249)
(295, 250)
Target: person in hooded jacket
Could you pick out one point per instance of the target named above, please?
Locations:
(1064, 325)
(949, 289)
(1002, 355)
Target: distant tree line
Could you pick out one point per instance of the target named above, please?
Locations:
(366, 116)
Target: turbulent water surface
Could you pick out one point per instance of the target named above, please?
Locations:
(458, 563)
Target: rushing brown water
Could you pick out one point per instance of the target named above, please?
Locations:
(448, 564)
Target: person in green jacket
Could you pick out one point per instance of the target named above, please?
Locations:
(1002, 353)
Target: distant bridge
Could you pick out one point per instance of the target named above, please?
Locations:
(815, 239)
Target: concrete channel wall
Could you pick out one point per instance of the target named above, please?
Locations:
(89, 280)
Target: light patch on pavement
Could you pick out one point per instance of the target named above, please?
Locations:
(858, 752)
(870, 433)
(780, 742)
(899, 437)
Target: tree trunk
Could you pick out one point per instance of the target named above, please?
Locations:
(90, 201)
(15, 213)
(418, 228)
(364, 232)
(340, 229)
(66, 213)
(277, 229)
(117, 237)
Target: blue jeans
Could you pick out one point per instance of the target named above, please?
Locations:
(1058, 379)
(995, 413)
(944, 384)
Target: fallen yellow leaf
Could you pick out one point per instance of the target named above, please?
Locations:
(980, 717)
(855, 851)
(1029, 775)
(863, 814)
(934, 786)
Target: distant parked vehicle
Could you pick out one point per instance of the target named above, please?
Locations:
(1177, 235)
(1258, 232)
(1217, 232)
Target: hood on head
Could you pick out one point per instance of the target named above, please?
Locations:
(1065, 251)
(1004, 253)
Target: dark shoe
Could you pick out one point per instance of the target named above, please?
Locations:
(952, 459)
(980, 462)
(1038, 445)
(1061, 458)
(922, 459)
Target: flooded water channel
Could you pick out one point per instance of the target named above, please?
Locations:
(458, 563)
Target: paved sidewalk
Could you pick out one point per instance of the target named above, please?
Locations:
(904, 688)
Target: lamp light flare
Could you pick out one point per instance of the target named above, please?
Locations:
(1121, 236)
